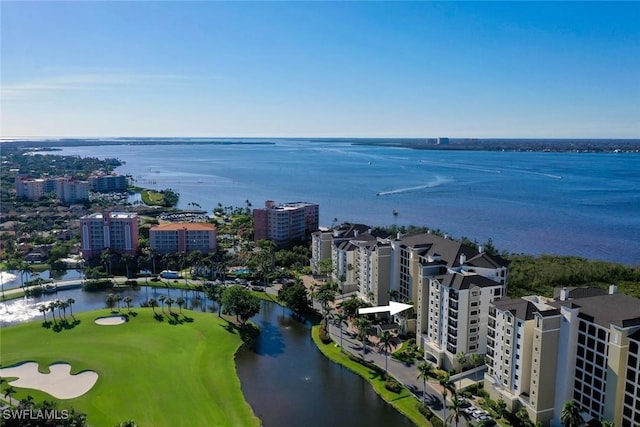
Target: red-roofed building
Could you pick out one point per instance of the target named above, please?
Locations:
(183, 237)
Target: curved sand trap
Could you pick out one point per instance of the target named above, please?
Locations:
(59, 383)
(111, 320)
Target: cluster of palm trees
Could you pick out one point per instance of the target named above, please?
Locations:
(153, 303)
(114, 299)
(61, 306)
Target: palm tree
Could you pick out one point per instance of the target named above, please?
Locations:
(71, 301)
(118, 299)
(63, 306)
(153, 304)
(363, 324)
(169, 301)
(385, 344)
(52, 307)
(60, 307)
(43, 309)
(106, 259)
(325, 294)
(8, 392)
(110, 300)
(457, 409)
(127, 300)
(162, 299)
(461, 359)
(25, 270)
(425, 370)
(215, 294)
(340, 318)
(394, 295)
(570, 415)
(180, 301)
(126, 259)
(445, 382)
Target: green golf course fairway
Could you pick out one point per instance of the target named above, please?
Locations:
(152, 372)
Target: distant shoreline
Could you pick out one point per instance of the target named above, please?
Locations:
(573, 145)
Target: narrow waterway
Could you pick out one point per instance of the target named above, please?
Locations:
(288, 382)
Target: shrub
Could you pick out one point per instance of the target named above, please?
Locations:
(324, 336)
(97, 285)
(392, 385)
(131, 282)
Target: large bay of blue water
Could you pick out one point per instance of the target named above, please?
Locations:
(585, 204)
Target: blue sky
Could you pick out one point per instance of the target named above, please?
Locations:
(352, 69)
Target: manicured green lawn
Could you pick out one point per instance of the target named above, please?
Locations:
(153, 372)
(404, 401)
(150, 197)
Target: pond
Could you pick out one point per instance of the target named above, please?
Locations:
(11, 279)
(284, 377)
(287, 381)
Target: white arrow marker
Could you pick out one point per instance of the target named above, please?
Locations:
(392, 308)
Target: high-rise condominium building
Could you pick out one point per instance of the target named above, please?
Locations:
(581, 346)
(285, 223)
(117, 231)
(183, 237)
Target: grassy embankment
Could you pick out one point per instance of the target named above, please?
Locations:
(153, 372)
(404, 401)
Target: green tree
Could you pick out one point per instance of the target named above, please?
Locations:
(126, 260)
(169, 302)
(325, 294)
(110, 300)
(180, 302)
(162, 299)
(71, 301)
(385, 344)
(425, 370)
(214, 293)
(457, 409)
(352, 305)
(362, 325)
(476, 360)
(570, 415)
(241, 302)
(446, 383)
(295, 297)
(340, 318)
(8, 392)
(43, 309)
(107, 259)
(153, 303)
(127, 300)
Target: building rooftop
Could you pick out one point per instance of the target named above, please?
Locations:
(524, 308)
(462, 281)
(113, 215)
(190, 226)
(604, 310)
(431, 245)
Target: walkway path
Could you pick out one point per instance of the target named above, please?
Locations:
(405, 374)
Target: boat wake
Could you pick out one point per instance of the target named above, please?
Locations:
(435, 183)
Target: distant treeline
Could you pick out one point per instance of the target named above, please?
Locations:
(539, 275)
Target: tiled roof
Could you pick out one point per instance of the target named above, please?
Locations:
(617, 309)
(520, 308)
(462, 281)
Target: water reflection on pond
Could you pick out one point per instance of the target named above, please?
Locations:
(288, 382)
(25, 309)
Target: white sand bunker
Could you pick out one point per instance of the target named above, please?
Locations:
(111, 320)
(59, 383)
